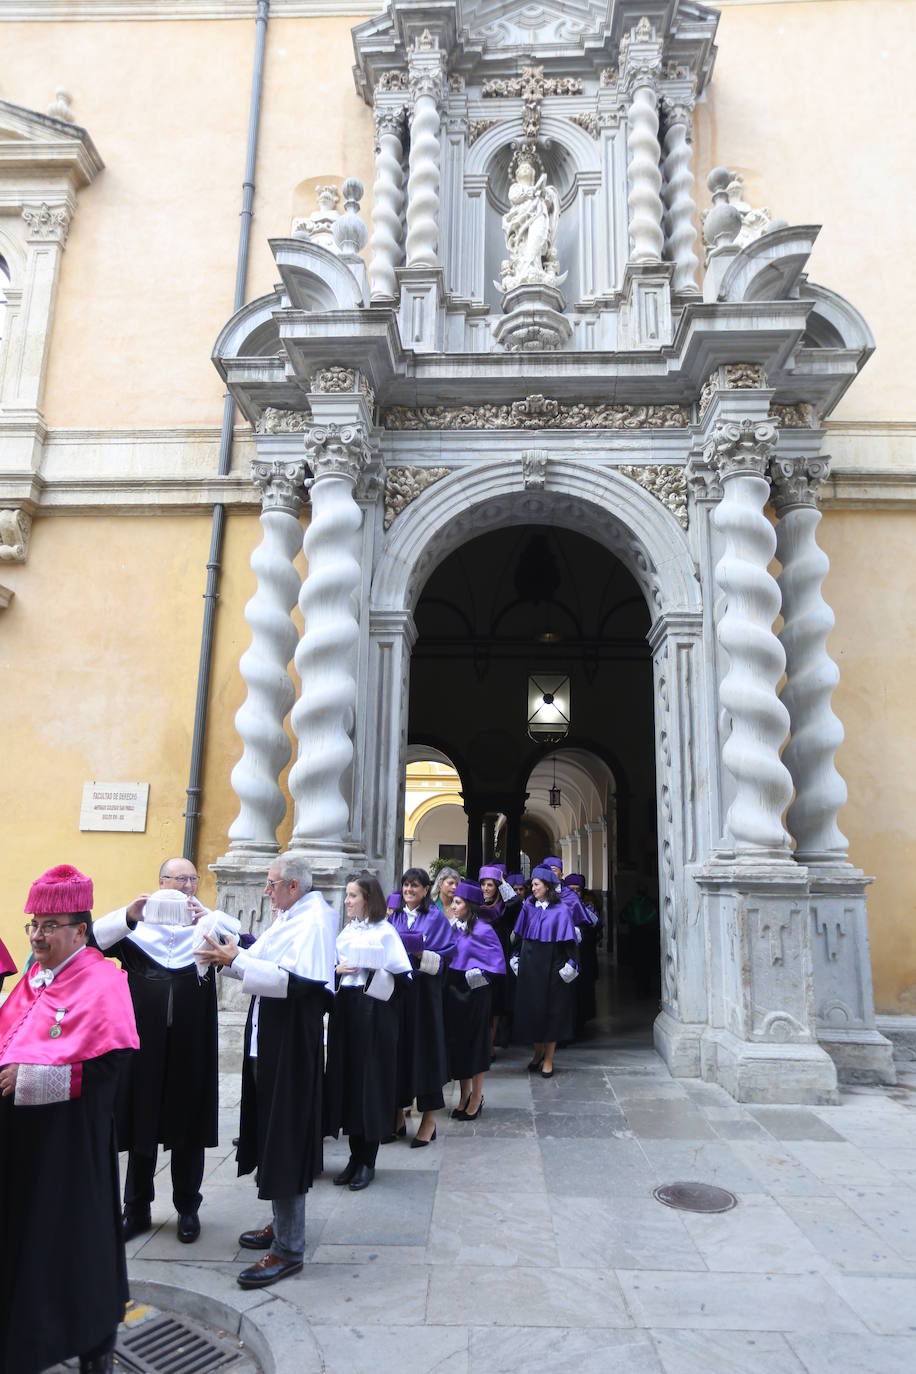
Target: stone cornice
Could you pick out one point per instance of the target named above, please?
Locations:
(95, 10)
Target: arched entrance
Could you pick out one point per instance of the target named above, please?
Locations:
(647, 541)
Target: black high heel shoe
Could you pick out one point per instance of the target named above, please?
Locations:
(472, 1116)
(417, 1143)
(458, 1113)
(398, 1133)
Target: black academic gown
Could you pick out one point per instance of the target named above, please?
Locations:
(361, 1080)
(63, 1279)
(280, 1131)
(502, 916)
(170, 1095)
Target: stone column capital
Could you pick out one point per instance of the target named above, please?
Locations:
(678, 110)
(741, 448)
(795, 482)
(640, 56)
(426, 69)
(47, 223)
(282, 483)
(390, 120)
(337, 451)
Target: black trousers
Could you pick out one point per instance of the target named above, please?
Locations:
(363, 1151)
(187, 1172)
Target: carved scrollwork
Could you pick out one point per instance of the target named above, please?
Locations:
(48, 222)
(478, 127)
(336, 380)
(587, 121)
(282, 484)
(404, 484)
(397, 80)
(537, 412)
(802, 415)
(272, 420)
(742, 446)
(666, 481)
(731, 377)
(337, 451)
(534, 469)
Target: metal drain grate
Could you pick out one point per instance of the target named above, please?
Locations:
(695, 1197)
(166, 1345)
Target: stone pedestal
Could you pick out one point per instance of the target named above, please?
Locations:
(844, 1002)
(533, 318)
(761, 1044)
(422, 292)
(647, 291)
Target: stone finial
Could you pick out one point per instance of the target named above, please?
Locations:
(721, 224)
(318, 227)
(350, 233)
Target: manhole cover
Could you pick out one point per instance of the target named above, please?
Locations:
(154, 1342)
(695, 1197)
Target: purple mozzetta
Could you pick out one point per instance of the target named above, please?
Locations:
(479, 948)
(432, 927)
(545, 923)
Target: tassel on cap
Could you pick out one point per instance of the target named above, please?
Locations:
(63, 890)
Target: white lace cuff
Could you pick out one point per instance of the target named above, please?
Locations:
(38, 1085)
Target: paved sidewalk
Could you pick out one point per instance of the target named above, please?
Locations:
(531, 1238)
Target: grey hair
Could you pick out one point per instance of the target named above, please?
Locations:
(294, 866)
(444, 873)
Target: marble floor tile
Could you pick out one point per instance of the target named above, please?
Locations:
(561, 1350)
(887, 1306)
(390, 1350)
(387, 1256)
(667, 1121)
(838, 1163)
(889, 1211)
(735, 1125)
(774, 1170)
(605, 1124)
(736, 1302)
(828, 1354)
(595, 1168)
(755, 1237)
(622, 1233)
(793, 1123)
(726, 1352)
(482, 1296)
(495, 1122)
(716, 1162)
(360, 1295)
(470, 1227)
(845, 1239)
(395, 1210)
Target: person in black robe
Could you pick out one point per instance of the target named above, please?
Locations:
(546, 968)
(170, 1095)
(422, 1060)
(65, 1031)
(587, 936)
(469, 980)
(289, 972)
(361, 1078)
(501, 906)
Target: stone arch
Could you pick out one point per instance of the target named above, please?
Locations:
(584, 149)
(600, 502)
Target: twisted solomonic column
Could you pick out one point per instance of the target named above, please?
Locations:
(426, 88)
(643, 174)
(322, 718)
(680, 206)
(387, 205)
(264, 665)
(759, 720)
(811, 674)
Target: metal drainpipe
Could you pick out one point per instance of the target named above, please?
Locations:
(192, 809)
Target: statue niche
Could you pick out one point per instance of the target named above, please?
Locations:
(530, 277)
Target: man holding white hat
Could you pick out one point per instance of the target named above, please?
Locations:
(171, 1094)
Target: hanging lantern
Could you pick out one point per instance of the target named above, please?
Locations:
(554, 792)
(548, 708)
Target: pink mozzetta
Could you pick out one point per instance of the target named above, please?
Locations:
(6, 962)
(98, 1015)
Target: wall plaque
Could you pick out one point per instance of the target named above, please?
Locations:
(114, 806)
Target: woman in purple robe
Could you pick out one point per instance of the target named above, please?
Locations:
(501, 914)
(545, 1000)
(422, 1061)
(468, 997)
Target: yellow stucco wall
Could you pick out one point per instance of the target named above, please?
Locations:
(98, 661)
(147, 278)
(872, 589)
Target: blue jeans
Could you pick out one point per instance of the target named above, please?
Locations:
(289, 1227)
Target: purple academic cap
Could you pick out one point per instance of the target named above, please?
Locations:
(489, 871)
(515, 879)
(545, 874)
(575, 880)
(552, 862)
(467, 891)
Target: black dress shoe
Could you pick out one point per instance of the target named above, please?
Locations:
(258, 1240)
(188, 1227)
(362, 1177)
(267, 1270)
(99, 1364)
(397, 1134)
(346, 1173)
(135, 1223)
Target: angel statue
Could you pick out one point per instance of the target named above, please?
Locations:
(530, 227)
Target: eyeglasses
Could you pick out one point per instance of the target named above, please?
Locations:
(273, 883)
(49, 927)
(185, 880)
